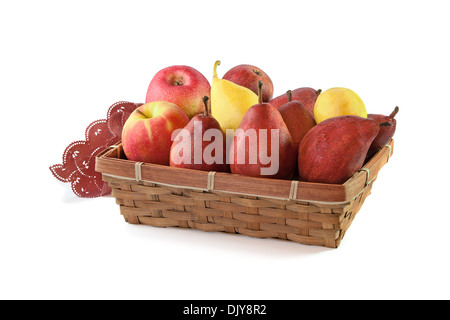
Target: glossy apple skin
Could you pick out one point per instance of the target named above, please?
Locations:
(248, 76)
(181, 85)
(147, 133)
(305, 95)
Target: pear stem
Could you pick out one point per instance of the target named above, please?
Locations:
(385, 124)
(289, 95)
(215, 68)
(260, 84)
(392, 115)
(205, 102)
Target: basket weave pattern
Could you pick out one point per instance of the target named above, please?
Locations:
(312, 222)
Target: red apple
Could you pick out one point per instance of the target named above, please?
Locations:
(248, 76)
(147, 133)
(181, 85)
(307, 96)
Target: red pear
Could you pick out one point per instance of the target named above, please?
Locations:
(201, 145)
(262, 145)
(297, 118)
(386, 132)
(305, 95)
(335, 149)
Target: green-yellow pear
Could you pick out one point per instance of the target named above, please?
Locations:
(229, 101)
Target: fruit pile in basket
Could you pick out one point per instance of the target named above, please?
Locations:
(235, 125)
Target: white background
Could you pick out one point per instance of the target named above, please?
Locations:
(63, 64)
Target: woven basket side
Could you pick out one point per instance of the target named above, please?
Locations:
(164, 196)
(299, 221)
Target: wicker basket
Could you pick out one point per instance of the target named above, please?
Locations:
(303, 212)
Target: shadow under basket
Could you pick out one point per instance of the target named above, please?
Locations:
(304, 212)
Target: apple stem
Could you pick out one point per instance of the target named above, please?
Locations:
(141, 113)
(260, 84)
(289, 95)
(257, 72)
(318, 91)
(392, 115)
(205, 101)
(385, 124)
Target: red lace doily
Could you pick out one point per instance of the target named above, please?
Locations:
(78, 166)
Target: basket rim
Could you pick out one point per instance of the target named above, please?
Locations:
(109, 163)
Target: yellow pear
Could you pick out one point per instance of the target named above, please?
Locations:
(336, 102)
(229, 101)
